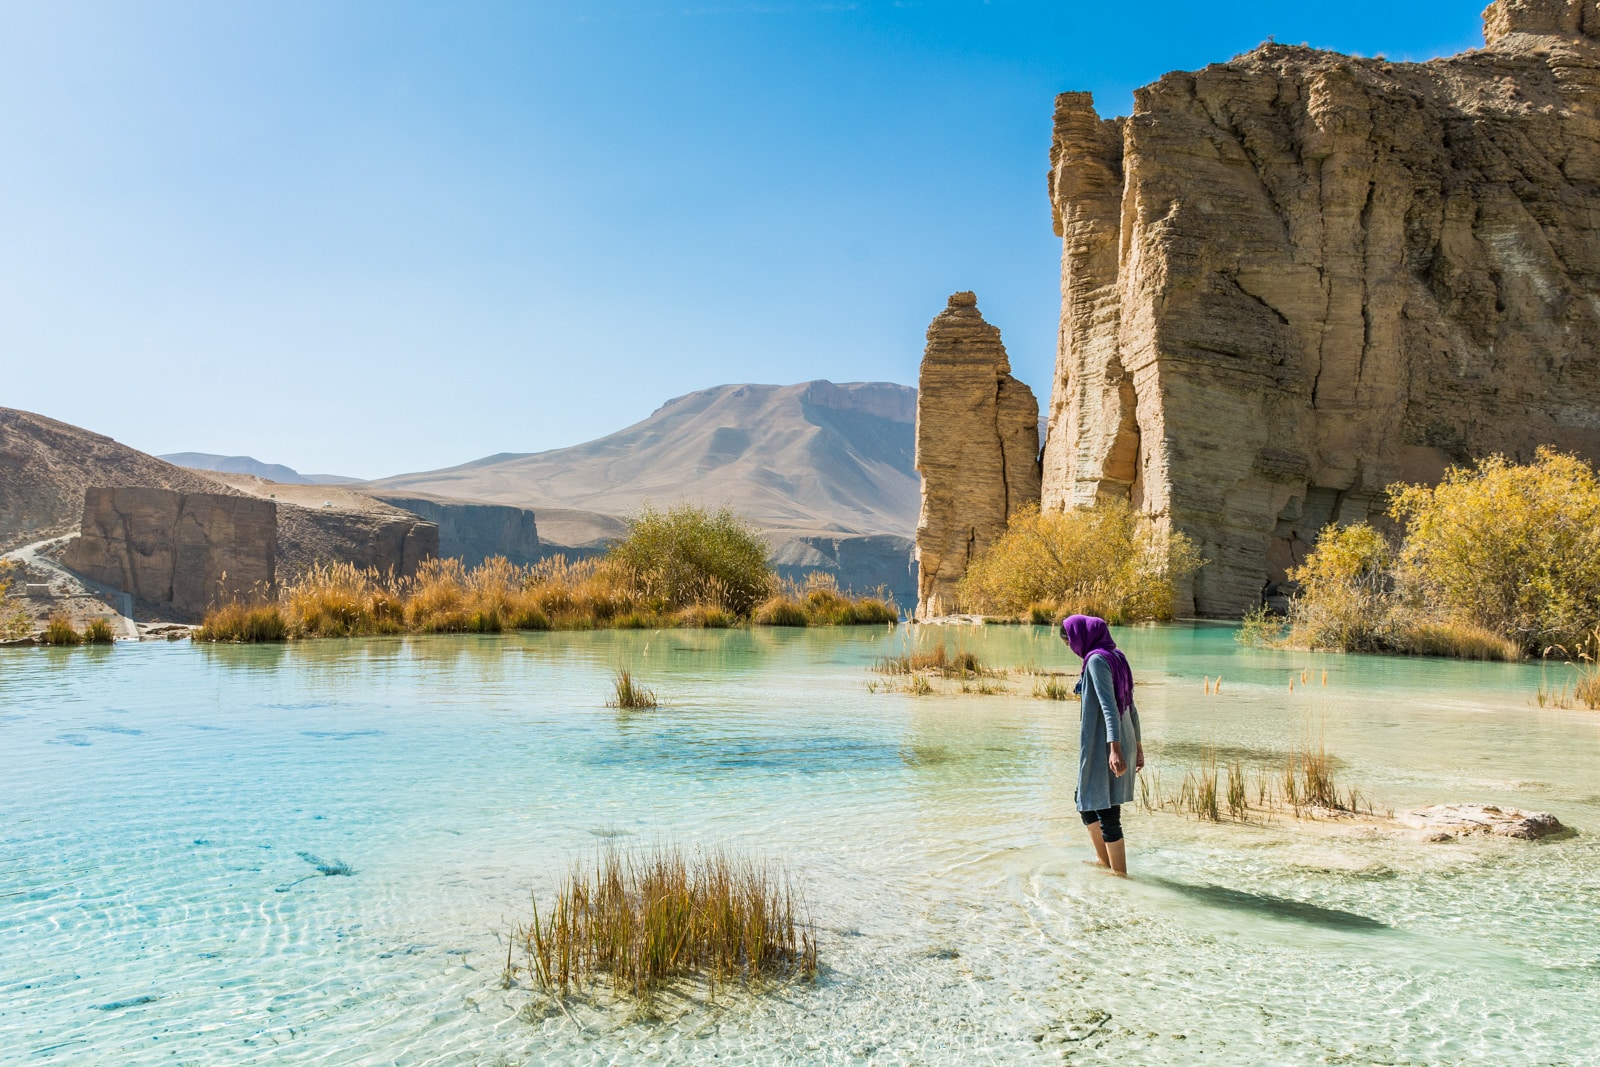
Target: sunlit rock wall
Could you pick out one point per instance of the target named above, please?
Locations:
(1294, 278)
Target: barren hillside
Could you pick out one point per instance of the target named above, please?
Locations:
(815, 457)
(45, 466)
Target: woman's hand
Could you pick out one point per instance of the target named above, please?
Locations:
(1138, 760)
(1119, 766)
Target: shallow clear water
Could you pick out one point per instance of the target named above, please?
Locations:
(164, 810)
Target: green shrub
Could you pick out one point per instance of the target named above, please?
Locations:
(1345, 603)
(1498, 560)
(1260, 628)
(1512, 548)
(1108, 560)
(688, 555)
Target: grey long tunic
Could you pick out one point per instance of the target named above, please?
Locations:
(1101, 725)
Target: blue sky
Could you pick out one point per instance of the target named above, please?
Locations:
(366, 238)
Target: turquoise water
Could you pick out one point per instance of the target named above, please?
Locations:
(166, 812)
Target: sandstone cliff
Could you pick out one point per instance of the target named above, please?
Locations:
(474, 532)
(178, 553)
(382, 538)
(859, 563)
(1294, 278)
(977, 449)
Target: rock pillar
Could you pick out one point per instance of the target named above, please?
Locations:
(977, 449)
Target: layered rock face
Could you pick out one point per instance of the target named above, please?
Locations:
(384, 539)
(977, 449)
(1295, 278)
(46, 465)
(179, 552)
(859, 563)
(474, 532)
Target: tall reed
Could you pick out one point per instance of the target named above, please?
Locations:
(60, 631)
(644, 919)
(99, 632)
(629, 695)
(343, 600)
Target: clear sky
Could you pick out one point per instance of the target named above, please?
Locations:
(366, 238)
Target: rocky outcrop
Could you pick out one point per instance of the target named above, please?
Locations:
(977, 449)
(1444, 821)
(474, 532)
(46, 465)
(860, 564)
(382, 538)
(177, 552)
(1295, 278)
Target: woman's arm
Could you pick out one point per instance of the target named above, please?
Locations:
(1098, 673)
(1138, 733)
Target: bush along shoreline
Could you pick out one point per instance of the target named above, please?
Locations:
(1500, 561)
(1107, 560)
(684, 567)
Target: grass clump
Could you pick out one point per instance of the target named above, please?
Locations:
(939, 660)
(1584, 688)
(629, 695)
(1053, 689)
(1107, 560)
(643, 920)
(914, 670)
(98, 632)
(244, 624)
(13, 616)
(782, 611)
(60, 631)
(819, 602)
(1302, 782)
(685, 567)
(341, 600)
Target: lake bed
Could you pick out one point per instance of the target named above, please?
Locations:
(170, 811)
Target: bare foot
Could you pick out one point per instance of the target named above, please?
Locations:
(1098, 864)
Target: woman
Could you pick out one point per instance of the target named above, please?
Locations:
(1109, 728)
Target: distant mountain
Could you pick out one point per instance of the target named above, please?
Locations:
(810, 458)
(272, 472)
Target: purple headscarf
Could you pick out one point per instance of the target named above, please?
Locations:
(1088, 636)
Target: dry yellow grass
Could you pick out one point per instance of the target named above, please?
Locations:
(244, 623)
(629, 695)
(342, 600)
(98, 632)
(646, 919)
(60, 631)
(1301, 783)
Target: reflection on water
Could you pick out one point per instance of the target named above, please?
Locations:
(312, 853)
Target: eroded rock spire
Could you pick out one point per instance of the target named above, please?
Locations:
(977, 449)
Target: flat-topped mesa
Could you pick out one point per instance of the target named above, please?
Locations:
(1295, 278)
(977, 449)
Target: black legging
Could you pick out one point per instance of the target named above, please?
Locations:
(1110, 820)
